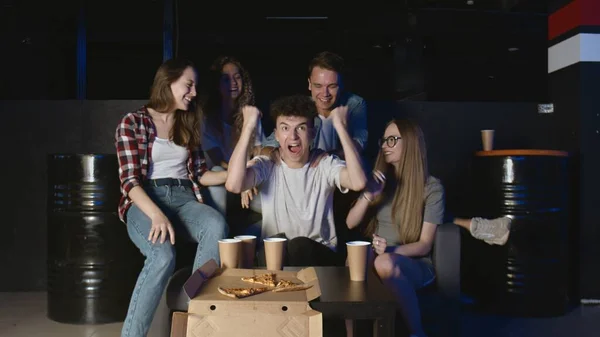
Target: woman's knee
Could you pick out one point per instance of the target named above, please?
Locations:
(163, 257)
(386, 266)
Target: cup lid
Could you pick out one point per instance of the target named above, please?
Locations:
(274, 239)
(358, 243)
(244, 237)
(230, 240)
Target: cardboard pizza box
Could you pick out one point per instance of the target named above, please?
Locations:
(268, 314)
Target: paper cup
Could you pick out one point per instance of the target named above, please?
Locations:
(487, 139)
(357, 259)
(230, 251)
(248, 250)
(274, 252)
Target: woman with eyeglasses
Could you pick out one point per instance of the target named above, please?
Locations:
(401, 207)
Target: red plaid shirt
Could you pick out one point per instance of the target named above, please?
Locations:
(134, 138)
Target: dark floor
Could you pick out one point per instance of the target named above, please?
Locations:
(24, 314)
(582, 321)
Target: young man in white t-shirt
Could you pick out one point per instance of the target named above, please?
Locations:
(297, 191)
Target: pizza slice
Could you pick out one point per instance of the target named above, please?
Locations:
(295, 287)
(285, 285)
(264, 279)
(242, 292)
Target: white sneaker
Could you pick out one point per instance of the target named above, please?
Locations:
(493, 232)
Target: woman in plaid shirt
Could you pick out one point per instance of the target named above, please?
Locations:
(161, 168)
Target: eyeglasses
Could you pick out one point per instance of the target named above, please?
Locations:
(390, 141)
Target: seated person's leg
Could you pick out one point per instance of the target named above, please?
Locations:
(153, 278)
(494, 231)
(204, 225)
(404, 275)
(303, 252)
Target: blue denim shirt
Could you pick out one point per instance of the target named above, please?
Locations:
(357, 123)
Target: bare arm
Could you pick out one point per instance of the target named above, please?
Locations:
(374, 187)
(212, 178)
(141, 199)
(353, 175)
(421, 247)
(240, 178)
(340, 152)
(357, 212)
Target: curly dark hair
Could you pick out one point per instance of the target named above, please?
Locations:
(214, 100)
(212, 105)
(295, 105)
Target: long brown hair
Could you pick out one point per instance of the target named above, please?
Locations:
(186, 128)
(212, 107)
(406, 184)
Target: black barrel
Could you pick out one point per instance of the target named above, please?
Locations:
(529, 275)
(92, 264)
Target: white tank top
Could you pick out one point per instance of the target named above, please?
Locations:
(169, 160)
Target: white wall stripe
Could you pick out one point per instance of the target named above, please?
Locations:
(583, 47)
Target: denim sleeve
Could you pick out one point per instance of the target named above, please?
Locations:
(271, 141)
(358, 121)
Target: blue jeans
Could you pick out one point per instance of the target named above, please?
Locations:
(191, 221)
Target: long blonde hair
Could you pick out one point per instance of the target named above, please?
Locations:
(407, 183)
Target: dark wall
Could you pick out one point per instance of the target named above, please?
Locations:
(452, 131)
(38, 128)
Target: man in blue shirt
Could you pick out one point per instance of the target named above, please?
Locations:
(326, 87)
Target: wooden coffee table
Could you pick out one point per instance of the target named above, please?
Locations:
(344, 299)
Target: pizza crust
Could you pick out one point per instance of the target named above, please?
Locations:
(242, 292)
(295, 287)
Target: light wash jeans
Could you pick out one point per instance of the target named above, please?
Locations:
(191, 221)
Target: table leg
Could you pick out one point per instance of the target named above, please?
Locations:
(385, 326)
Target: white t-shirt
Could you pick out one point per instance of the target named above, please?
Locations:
(299, 202)
(212, 139)
(169, 160)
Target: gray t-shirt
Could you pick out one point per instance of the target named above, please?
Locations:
(433, 213)
(299, 202)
